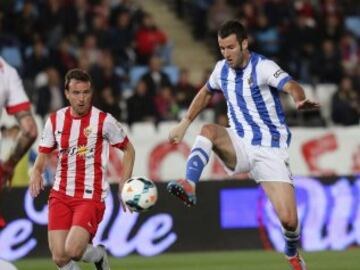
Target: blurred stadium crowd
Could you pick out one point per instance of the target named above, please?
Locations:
(129, 56)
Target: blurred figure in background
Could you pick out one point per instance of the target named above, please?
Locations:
(184, 90)
(165, 104)
(141, 106)
(14, 99)
(155, 78)
(150, 40)
(51, 96)
(346, 104)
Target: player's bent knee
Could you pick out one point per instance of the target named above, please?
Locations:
(289, 223)
(60, 260)
(74, 252)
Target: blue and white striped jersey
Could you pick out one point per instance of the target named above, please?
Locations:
(254, 109)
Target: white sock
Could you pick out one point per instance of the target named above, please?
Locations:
(92, 254)
(70, 266)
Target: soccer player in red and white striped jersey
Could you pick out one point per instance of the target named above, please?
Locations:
(82, 135)
(15, 101)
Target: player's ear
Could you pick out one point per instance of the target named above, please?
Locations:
(66, 91)
(245, 44)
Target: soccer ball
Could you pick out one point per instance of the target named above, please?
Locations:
(139, 194)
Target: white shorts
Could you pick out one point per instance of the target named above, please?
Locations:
(263, 163)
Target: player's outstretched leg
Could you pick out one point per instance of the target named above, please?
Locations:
(292, 254)
(296, 262)
(184, 189)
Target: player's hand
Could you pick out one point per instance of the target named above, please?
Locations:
(307, 105)
(6, 174)
(36, 183)
(177, 133)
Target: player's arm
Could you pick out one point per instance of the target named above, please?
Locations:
(298, 94)
(27, 136)
(200, 101)
(128, 162)
(36, 179)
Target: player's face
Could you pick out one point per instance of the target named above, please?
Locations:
(79, 95)
(234, 54)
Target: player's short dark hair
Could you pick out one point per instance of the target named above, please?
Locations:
(76, 74)
(233, 27)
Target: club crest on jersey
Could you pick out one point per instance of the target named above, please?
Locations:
(249, 81)
(87, 131)
(82, 150)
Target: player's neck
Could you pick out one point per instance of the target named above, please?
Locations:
(76, 115)
(246, 60)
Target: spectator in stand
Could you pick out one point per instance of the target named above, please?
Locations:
(101, 31)
(155, 78)
(356, 78)
(346, 104)
(140, 106)
(26, 21)
(267, 37)
(165, 104)
(349, 50)
(37, 59)
(53, 19)
(51, 96)
(331, 28)
(78, 17)
(184, 90)
(149, 40)
(326, 65)
(122, 36)
(104, 75)
(107, 102)
(90, 49)
(249, 13)
(298, 55)
(218, 12)
(64, 57)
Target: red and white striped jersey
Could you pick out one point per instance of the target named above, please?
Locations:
(12, 93)
(83, 150)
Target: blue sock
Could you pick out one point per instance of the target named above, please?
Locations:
(198, 158)
(291, 240)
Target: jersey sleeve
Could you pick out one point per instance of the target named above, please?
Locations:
(213, 82)
(16, 100)
(115, 133)
(273, 75)
(47, 141)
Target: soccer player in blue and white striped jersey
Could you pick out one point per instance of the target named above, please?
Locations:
(258, 137)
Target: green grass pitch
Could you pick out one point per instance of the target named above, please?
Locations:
(232, 260)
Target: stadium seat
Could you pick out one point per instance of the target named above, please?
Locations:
(135, 74)
(13, 56)
(173, 73)
(309, 92)
(139, 129)
(324, 93)
(165, 127)
(352, 24)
